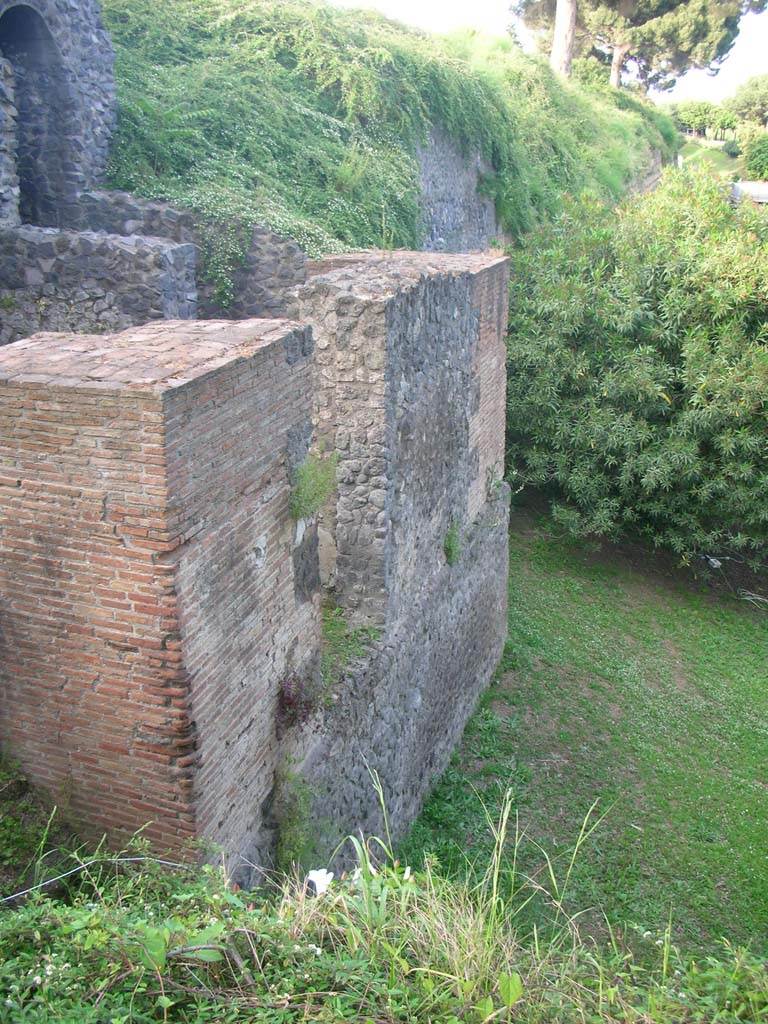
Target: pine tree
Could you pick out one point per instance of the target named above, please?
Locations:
(661, 38)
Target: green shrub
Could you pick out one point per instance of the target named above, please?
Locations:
(756, 158)
(732, 148)
(638, 367)
(314, 481)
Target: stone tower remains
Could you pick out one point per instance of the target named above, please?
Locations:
(160, 604)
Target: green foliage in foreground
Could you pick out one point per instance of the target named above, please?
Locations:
(141, 943)
(638, 368)
(756, 158)
(304, 117)
(626, 685)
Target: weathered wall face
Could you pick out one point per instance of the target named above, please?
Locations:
(61, 59)
(457, 218)
(246, 621)
(272, 267)
(410, 394)
(57, 103)
(157, 597)
(9, 177)
(84, 281)
(127, 269)
(145, 569)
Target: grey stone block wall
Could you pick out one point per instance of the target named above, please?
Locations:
(273, 265)
(409, 393)
(84, 281)
(456, 217)
(402, 709)
(9, 178)
(62, 61)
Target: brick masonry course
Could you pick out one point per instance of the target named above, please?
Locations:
(146, 570)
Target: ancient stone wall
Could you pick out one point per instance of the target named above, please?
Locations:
(9, 177)
(61, 62)
(85, 281)
(158, 600)
(146, 570)
(272, 267)
(410, 393)
(456, 217)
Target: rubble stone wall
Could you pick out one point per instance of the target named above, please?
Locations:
(62, 65)
(53, 280)
(9, 177)
(410, 395)
(456, 216)
(272, 267)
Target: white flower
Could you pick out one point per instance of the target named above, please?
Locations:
(406, 874)
(319, 880)
(37, 979)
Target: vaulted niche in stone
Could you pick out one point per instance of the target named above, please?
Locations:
(45, 114)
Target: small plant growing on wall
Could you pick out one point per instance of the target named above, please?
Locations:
(297, 699)
(341, 644)
(452, 543)
(314, 482)
(293, 803)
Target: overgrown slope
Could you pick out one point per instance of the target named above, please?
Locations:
(306, 118)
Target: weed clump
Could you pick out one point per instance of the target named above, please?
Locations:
(452, 543)
(313, 484)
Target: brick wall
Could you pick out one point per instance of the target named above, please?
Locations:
(136, 471)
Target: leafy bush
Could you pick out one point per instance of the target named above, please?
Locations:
(756, 158)
(638, 367)
(732, 148)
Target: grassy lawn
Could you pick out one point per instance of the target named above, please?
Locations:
(704, 156)
(627, 685)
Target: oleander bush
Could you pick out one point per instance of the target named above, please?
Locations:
(638, 367)
(756, 158)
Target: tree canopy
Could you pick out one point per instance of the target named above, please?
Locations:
(661, 38)
(750, 101)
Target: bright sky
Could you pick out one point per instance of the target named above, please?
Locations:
(748, 57)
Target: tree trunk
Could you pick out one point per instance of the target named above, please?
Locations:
(620, 52)
(561, 56)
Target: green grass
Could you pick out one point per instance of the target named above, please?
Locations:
(714, 159)
(131, 940)
(646, 694)
(341, 644)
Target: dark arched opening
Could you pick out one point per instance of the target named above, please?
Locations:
(44, 121)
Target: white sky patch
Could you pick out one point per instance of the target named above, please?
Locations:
(748, 57)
